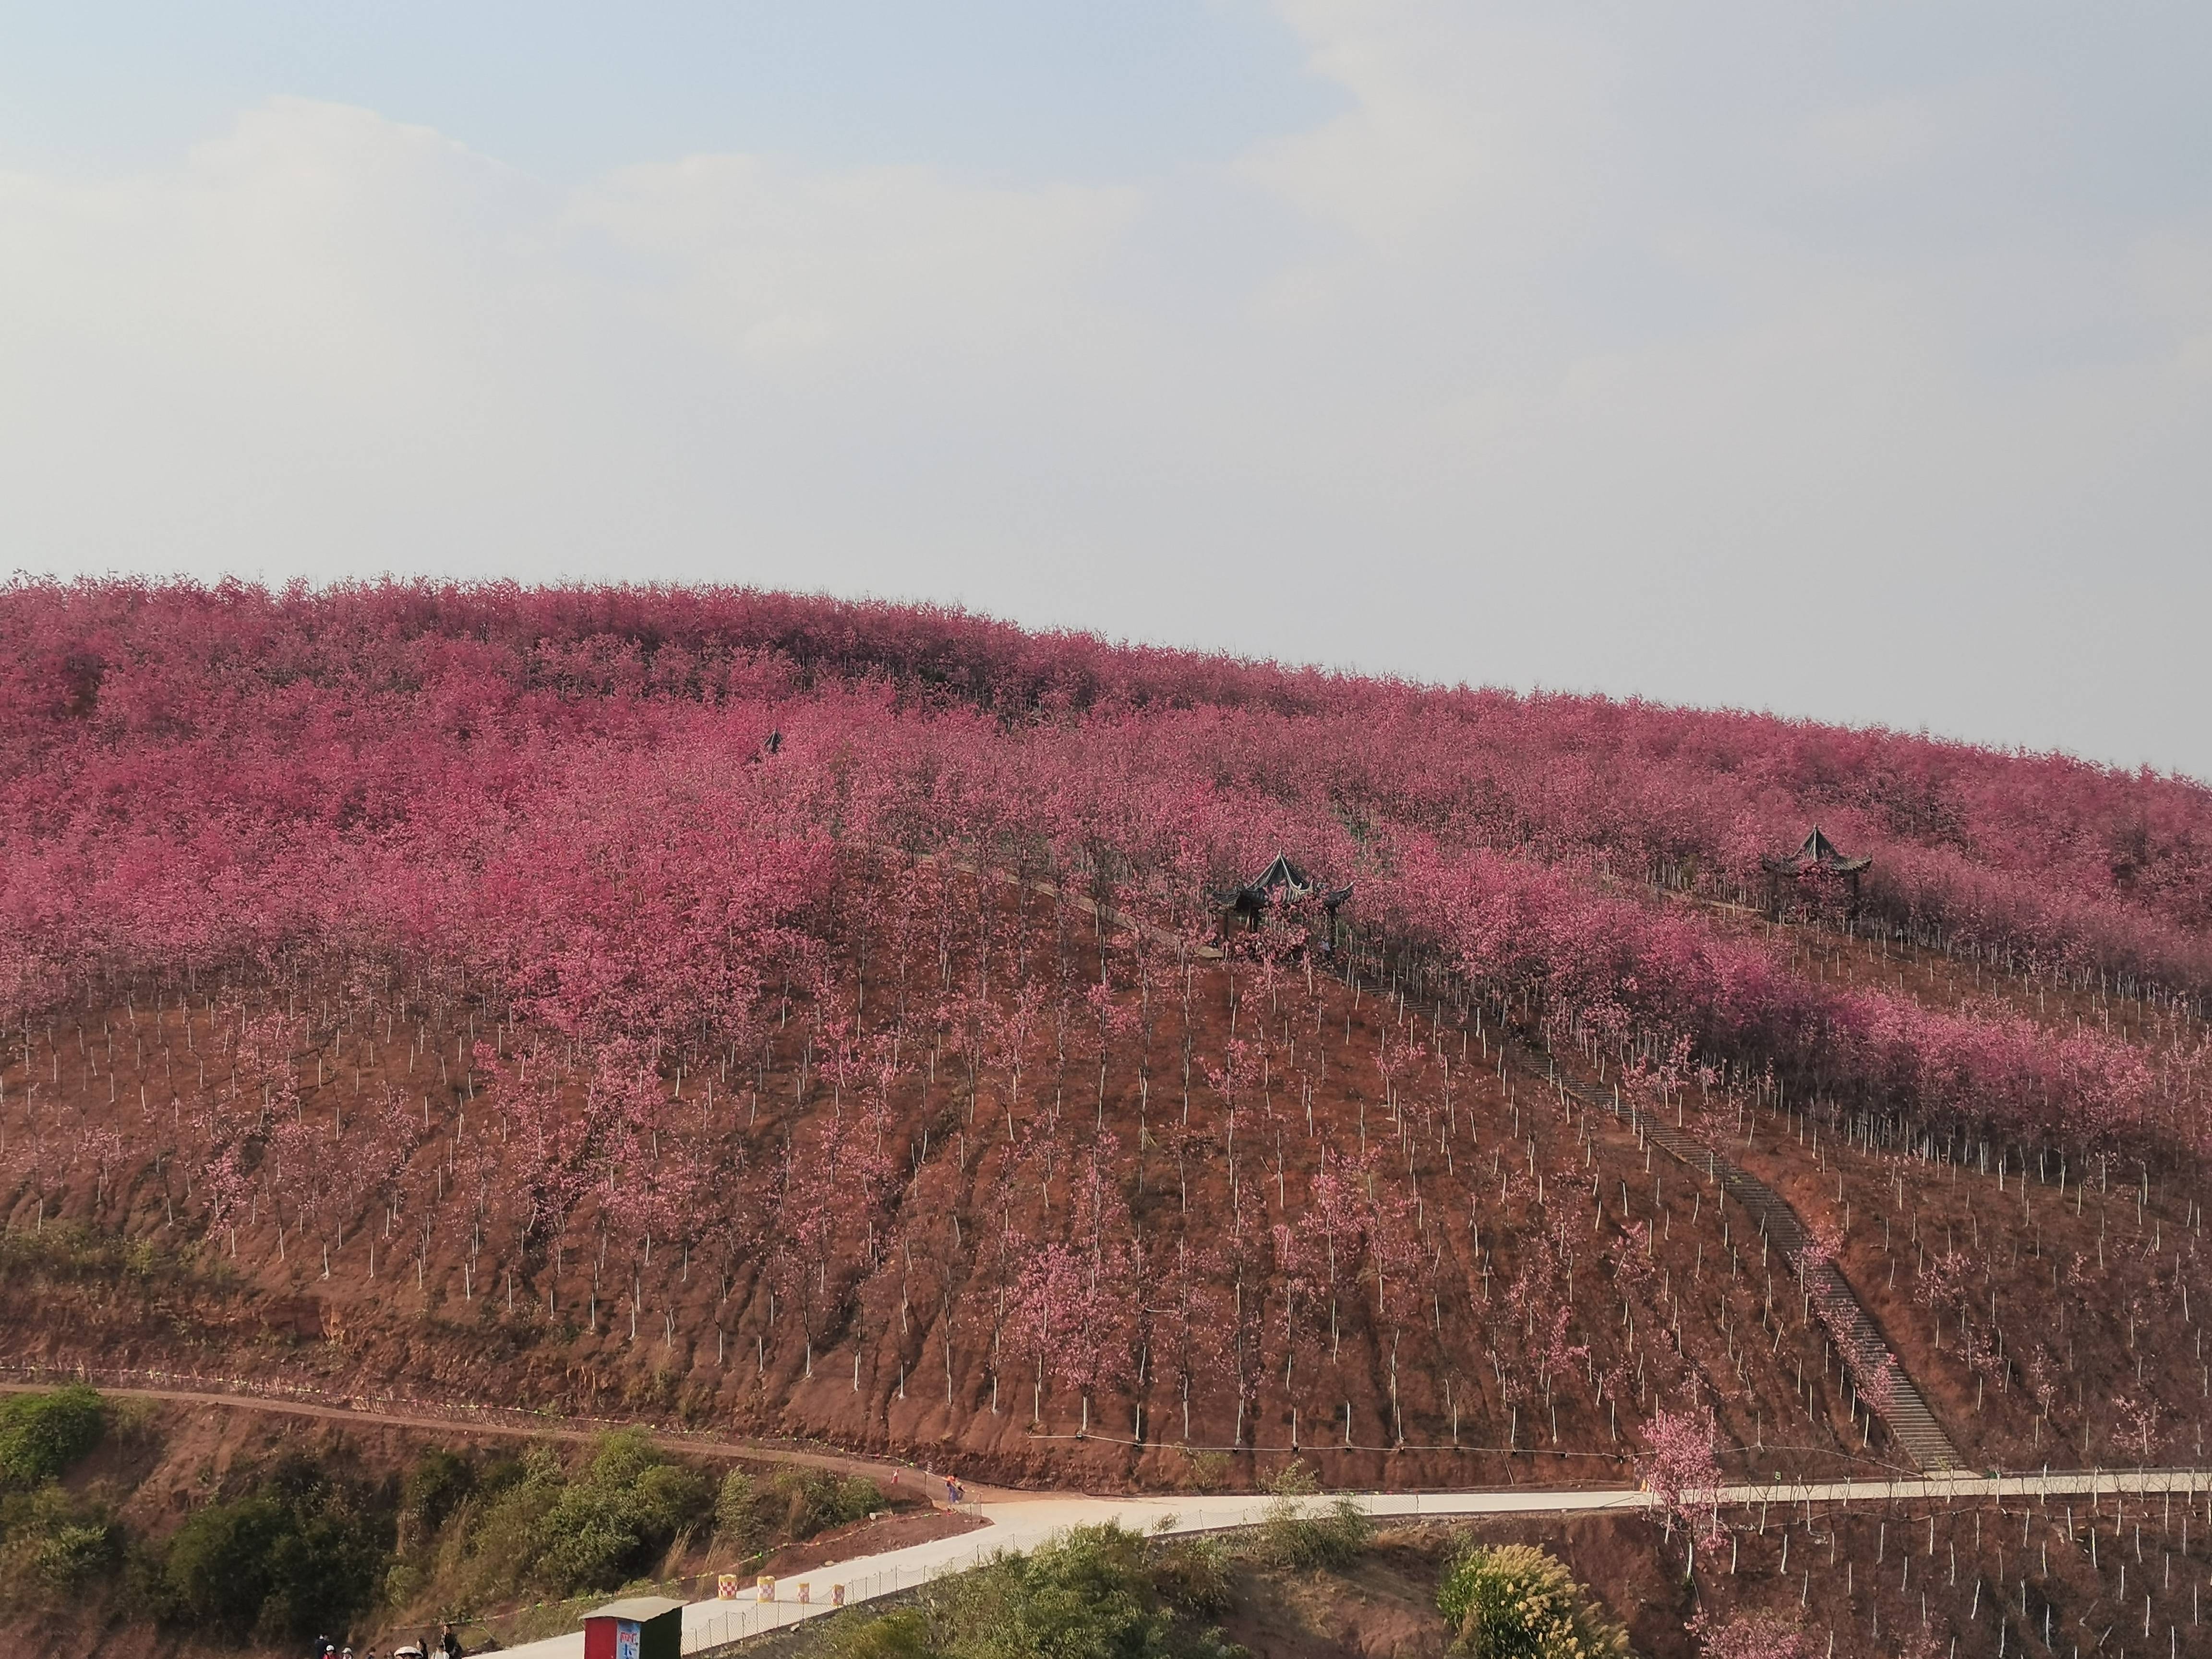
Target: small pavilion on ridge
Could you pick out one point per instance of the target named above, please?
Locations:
(1818, 860)
(1280, 884)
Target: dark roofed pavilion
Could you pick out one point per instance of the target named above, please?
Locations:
(1281, 883)
(1818, 859)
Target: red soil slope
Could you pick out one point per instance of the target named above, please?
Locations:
(1032, 1258)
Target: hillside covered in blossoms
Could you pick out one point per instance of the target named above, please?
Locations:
(818, 1018)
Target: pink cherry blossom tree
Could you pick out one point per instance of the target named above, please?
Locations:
(1679, 1467)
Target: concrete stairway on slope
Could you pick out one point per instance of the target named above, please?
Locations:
(1867, 1350)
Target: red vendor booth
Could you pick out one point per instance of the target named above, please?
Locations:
(641, 1627)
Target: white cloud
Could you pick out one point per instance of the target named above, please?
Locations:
(773, 260)
(1457, 114)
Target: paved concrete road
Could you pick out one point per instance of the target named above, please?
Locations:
(1023, 1523)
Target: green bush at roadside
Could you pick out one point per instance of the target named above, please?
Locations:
(473, 1535)
(792, 1505)
(54, 1544)
(42, 1435)
(1298, 1530)
(1515, 1601)
(1093, 1591)
(300, 1550)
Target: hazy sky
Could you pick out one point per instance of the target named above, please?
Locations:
(1852, 361)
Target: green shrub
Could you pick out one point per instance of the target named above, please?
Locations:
(1515, 1601)
(1090, 1591)
(1293, 1480)
(796, 1503)
(325, 1570)
(618, 1518)
(1293, 1534)
(54, 1544)
(41, 1435)
(495, 1559)
(217, 1569)
(859, 1498)
(74, 1556)
(437, 1486)
(1208, 1470)
(737, 1509)
(402, 1582)
(76, 1254)
(1193, 1573)
(299, 1553)
(903, 1634)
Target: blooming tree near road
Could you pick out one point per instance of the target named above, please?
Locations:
(1680, 1468)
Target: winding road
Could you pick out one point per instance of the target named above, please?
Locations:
(1022, 1523)
(1016, 1520)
